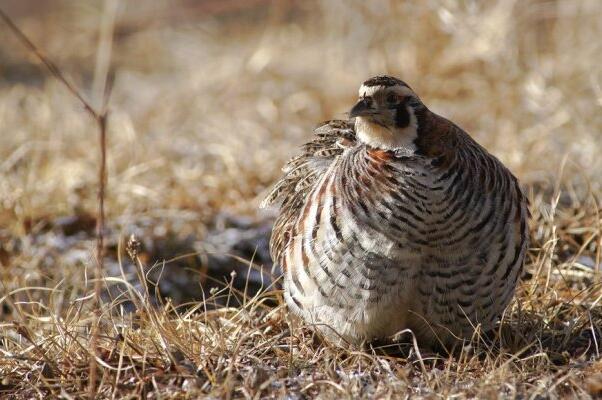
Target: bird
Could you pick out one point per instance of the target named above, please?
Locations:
(396, 220)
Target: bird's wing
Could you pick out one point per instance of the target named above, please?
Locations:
(301, 172)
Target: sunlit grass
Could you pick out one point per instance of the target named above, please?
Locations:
(206, 108)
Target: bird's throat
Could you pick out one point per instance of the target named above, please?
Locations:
(382, 137)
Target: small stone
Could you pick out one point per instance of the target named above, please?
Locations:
(258, 376)
(191, 384)
(282, 372)
(594, 385)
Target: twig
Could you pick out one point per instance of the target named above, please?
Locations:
(101, 118)
(52, 68)
(103, 88)
(100, 227)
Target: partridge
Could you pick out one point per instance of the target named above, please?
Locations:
(396, 220)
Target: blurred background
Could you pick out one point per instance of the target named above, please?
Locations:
(211, 97)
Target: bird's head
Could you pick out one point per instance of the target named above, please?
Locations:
(387, 114)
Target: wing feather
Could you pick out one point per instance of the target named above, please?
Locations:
(330, 140)
(301, 172)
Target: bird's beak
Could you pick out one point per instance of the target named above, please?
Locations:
(362, 108)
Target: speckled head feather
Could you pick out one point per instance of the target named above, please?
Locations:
(384, 80)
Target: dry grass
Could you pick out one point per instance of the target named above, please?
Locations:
(208, 102)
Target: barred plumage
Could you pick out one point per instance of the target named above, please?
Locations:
(416, 226)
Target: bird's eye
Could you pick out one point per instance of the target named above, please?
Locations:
(391, 98)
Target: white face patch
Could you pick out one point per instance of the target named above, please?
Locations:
(366, 91)
(380, 131)
(382, 137)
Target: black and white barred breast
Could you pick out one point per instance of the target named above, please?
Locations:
(372, 242)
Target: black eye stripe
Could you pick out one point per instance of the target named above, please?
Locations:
(402, 116)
